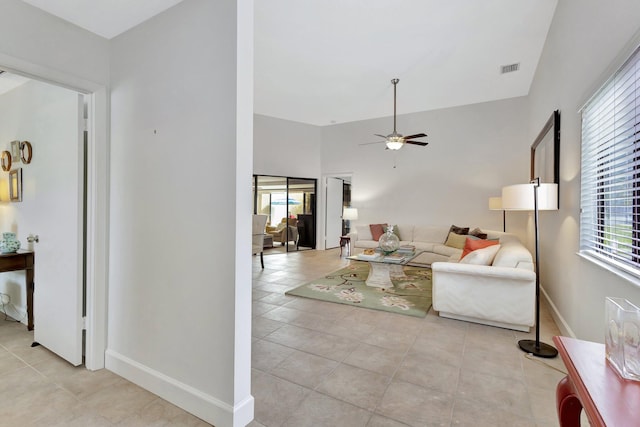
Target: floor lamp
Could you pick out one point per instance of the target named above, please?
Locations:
(533, 197)
(495, 204)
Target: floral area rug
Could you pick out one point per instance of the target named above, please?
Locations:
(410, 295)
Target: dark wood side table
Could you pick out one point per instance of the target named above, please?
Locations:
(22, 260)
(345, 241)
(592, 384)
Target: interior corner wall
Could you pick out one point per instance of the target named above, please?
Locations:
(43, 45)
(587, 42)
(285, 148)
(473, 152)
(172, 280)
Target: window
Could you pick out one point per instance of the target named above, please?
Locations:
(610, 192)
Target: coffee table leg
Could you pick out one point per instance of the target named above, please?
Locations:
(380, 274)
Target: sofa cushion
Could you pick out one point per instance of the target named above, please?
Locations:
(482, 256)
(447, 251)
(478, 233)
(430, 234)
(458, 230)
(364, 232)
(455, 240)
(421, 246)
(377, 230)
(472, 244)
(405, 232)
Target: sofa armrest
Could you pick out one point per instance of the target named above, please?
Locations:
(506, 273)
(493, 295)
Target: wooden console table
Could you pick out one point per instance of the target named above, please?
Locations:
(592, 384)
(22, 260)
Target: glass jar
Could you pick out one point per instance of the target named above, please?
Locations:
(9, 243)
(388, 242)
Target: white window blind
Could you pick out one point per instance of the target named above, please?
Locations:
(610, 187)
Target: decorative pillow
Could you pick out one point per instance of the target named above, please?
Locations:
(459, 230)
(482, 256)
(478, 233)
(472, 244)
(455, 240)
(377, 230)
(395, 231)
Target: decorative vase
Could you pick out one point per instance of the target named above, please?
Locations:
(388, 242)
(622, 337)
(9, 244)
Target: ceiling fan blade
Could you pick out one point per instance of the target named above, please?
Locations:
(416, 143)
(381, 136)
(369, 143)
(417, 135)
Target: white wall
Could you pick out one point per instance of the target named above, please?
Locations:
(173, 314)
(285, 148)
(586, 42)
(44, 115)
(38, 43)
(473, 152)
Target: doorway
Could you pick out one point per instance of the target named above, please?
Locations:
(290, 206)
(50, 217)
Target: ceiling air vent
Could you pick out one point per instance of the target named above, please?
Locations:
(509, 68)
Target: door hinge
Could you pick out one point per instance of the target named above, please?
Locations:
(84, 323)
(85, 124)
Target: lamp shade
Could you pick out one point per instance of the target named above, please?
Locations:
(495, 203)
(520, 197)
(350, 213)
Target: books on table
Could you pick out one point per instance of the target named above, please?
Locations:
(394, 257)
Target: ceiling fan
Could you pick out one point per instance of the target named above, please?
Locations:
(395, 140)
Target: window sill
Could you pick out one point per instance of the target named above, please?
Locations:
(623, 273)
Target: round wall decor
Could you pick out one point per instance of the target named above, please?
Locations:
(26, 152)
(5, 160)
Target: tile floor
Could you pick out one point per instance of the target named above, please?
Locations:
(323, 364)
(314, 364)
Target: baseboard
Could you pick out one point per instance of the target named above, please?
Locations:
(555, 313)
(194, 401)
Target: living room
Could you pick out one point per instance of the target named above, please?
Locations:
(475, 150)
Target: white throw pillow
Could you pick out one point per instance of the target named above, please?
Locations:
(482, 256)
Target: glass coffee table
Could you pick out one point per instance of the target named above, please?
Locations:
(382, 268)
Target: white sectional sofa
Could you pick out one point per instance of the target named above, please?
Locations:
(500, 294)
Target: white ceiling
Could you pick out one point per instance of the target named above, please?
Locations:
(332, 61)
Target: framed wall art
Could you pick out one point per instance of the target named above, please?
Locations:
(545, 153)
(15, 151)
(15, 185)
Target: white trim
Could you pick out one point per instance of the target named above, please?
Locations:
(611, 267)
(555, 313)
(183, 395)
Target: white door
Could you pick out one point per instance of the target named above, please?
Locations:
(57, 194)
(333, 214)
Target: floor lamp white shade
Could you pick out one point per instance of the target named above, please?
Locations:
(350, 214)
(520, 197)
(495, 203)
(533, 197)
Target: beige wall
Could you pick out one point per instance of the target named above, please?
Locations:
(587, 41)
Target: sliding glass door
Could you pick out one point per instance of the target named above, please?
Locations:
(290, 204)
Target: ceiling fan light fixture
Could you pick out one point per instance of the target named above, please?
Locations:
(395, 142)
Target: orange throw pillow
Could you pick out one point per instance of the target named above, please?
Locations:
(471, 245)
(377, 230)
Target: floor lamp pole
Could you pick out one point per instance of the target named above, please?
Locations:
(504, 221)
(536, 347)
